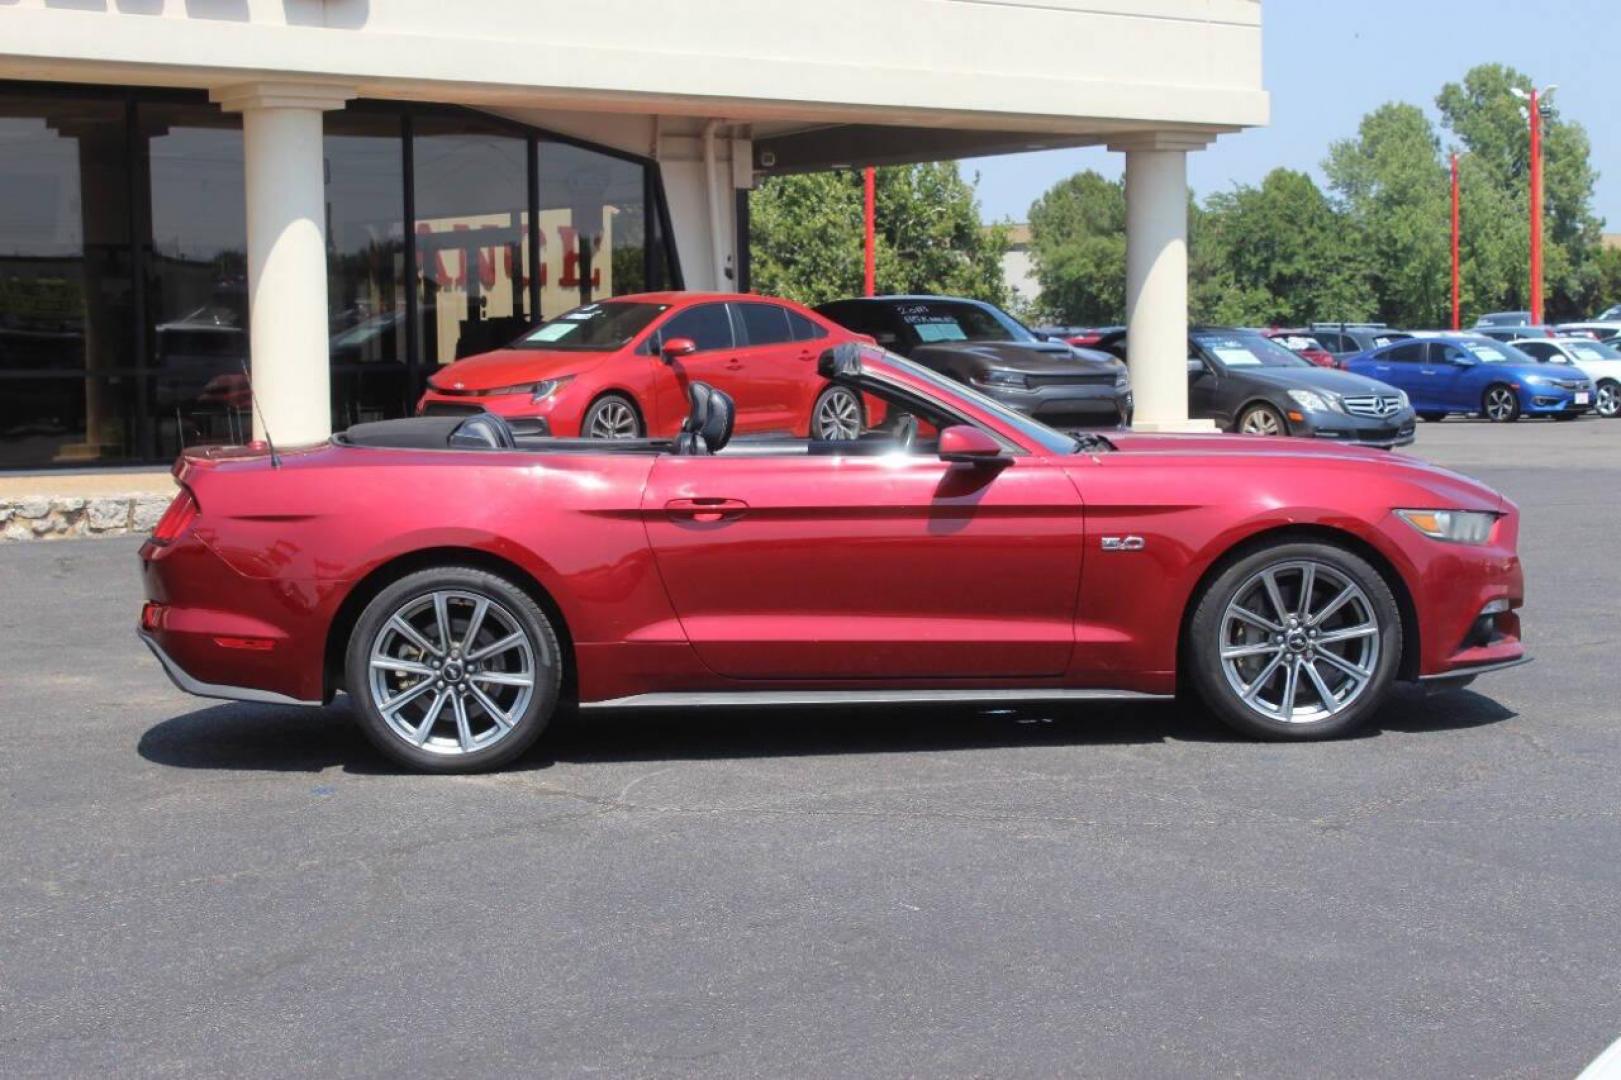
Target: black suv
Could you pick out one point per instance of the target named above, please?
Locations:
(982, 345)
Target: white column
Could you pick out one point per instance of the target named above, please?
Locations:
(1157, 277)
(286, 208)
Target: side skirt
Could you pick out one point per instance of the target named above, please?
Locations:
(724, 698)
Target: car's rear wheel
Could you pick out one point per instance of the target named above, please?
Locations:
(1295, 641)
(837, 414)
(1500, 404)
(453, 669)
(611, 416)
(1262, 420)
(1607, 402)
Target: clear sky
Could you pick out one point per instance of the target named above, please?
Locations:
(1329, 63)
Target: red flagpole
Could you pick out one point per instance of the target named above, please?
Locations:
(870, 182)
(1536, 211)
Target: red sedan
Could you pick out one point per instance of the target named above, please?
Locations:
(461, 582)
(1302, 344)
(620, 369)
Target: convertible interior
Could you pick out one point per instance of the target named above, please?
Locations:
(706, 430)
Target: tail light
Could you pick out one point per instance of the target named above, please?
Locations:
(177, 519)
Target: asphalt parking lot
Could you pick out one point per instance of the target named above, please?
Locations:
(200, 888)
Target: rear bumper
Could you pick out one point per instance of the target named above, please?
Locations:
(185, 681)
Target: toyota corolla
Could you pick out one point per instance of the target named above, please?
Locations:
(460, 583)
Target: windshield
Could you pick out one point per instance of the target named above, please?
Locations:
(1592, 350)
(950, 320)
(1054, 441)
(592, 328)
(1489, 352)
(1246, 349)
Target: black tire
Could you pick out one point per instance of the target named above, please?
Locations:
(1505, 395)
(1608, 400)
(1432, 417)
(1264, 418)
(511, 607)
(828, 427)
(614, 413)
(1374, 606)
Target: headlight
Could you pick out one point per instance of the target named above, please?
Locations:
(1455, 526)
(1534, 380)
(1401, 399)
(1122, 379)
(1316, 400)
(1004, 378)
(537, 391)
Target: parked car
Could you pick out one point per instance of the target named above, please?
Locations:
(1598, 331)
(1609, 314)
(1252, 385)
(1596, 360)
(1289, 588)
(1347, 339)
(982, 345)
(1503, 318)
(1469, 373)
(619, 369)
(1514, 333)
(1080, 336)
(1303, 344)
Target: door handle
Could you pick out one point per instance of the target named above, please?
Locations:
(734, 364)
(706, 509)
(807, 355)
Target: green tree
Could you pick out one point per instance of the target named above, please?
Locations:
(1078, 243)
(806, 235)
(1487, 117)
(1390, 182)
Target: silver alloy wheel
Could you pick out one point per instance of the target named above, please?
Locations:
(1500, 403)
(1261, 421)
(838, 415)
(612, 419)
(1299, 642)
(452, 671)
(1608, 401)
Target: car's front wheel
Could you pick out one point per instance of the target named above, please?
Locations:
(1295, 641)
(1607, 402)
(1500, 404)
(1262, 420)
(611, 416)
(453, 669)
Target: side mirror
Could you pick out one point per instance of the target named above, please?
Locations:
(1196, 367)
(676, 348)
(965, 443)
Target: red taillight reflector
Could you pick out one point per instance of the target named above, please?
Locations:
(251, 644)
(152, 616)
(176, 519)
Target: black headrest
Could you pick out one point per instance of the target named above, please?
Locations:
(708, 425)
(485, 431)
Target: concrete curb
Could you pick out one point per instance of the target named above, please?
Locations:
(64, 517)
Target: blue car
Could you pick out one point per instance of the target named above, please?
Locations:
(1468, 373)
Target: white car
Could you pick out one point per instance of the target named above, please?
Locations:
(1599, 362)
(1600, 331)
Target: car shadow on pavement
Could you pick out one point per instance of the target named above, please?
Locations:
(274, 739)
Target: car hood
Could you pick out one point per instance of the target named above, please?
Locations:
(1243, 451)
(1314, 378)
(512, 367)
(1028, 357)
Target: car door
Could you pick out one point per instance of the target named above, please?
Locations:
(779, 369)
(717, 361)
(1207, 389)
(860, 567)
(1400, 365)
(1447, 376)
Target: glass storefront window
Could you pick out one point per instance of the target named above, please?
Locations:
(472, 237)
(593, 227)
(197, 276)
(66, 297)
(365, 199)
(123, 261)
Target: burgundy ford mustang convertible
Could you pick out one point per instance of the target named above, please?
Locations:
(461, 583)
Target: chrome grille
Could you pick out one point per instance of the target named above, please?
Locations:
(1374, 405)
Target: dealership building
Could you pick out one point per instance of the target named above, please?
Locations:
(342, 195)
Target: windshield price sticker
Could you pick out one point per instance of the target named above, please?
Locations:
(552, 331)
(1236, 356)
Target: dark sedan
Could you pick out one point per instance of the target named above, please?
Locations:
(983, 346)
(1247, 383)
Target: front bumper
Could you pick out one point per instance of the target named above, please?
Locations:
(1554, 401)
(1067, 404)
(1382, 433)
